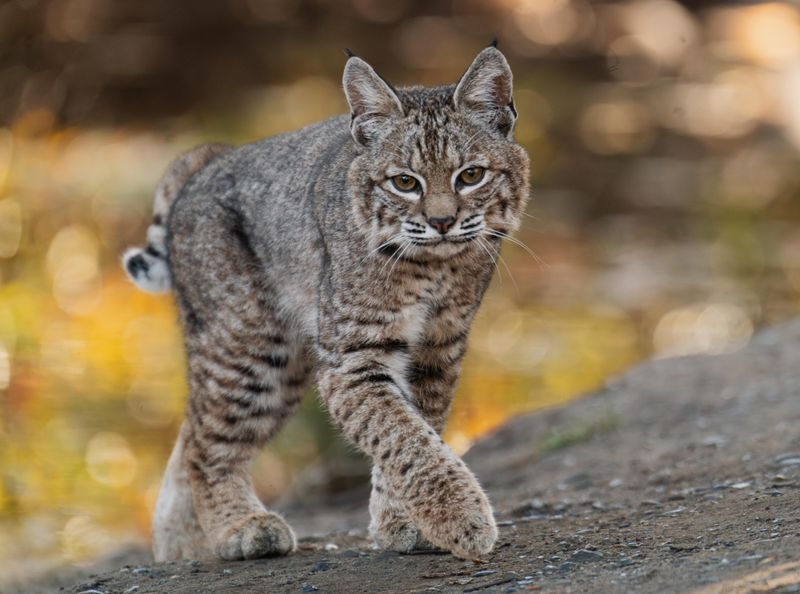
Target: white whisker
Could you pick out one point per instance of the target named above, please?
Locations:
(383, 245)
(481, 245)
(402, 251)
(508, 269)
(516, 241)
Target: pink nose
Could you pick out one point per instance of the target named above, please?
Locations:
(441, 224)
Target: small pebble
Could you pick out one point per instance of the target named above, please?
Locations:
(716, 441)
(310, 588)
(579, 480)
(227, 572)
(567, 566)
(131, 589)
(351, 553)
(322, 566)
(140, 570)
(742, 485)
(534, 505)
(331, 547)
(624, 562)
(484, 572)
(586, 556)
(788, 458)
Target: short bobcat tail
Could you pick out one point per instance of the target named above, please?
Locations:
(148, 266)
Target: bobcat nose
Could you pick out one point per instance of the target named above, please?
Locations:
(442, 224)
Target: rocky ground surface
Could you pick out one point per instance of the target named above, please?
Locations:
(683, 475)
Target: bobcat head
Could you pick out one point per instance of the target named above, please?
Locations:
(437, 167)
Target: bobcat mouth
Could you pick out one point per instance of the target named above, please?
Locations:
(461, 238)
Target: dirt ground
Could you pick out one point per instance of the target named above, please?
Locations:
(683, 475)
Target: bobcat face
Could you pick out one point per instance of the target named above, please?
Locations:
(439, 168)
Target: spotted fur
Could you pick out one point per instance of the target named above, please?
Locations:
(299, 254)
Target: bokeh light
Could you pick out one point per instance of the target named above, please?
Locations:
(664, 29)
(711, 328)
(5, 368)
(767, 34)
(10, 227)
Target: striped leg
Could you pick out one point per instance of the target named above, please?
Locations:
(239, 400)
(434, 371)
(361, 384)
(247, 374)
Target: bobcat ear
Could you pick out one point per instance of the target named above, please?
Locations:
(372, 101)
(486, 91)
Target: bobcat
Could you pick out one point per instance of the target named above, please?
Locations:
(358, 249)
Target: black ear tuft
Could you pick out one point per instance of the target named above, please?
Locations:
(349, 53)
(493, 42)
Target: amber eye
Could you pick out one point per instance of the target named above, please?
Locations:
(471, 175)
(405, 183)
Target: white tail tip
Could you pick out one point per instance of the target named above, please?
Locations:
(148, 270)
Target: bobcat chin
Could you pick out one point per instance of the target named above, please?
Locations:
(357, 250)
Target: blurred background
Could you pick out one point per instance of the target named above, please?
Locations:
(664, 218)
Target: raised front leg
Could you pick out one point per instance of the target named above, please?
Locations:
(433, 373)
(365, 387)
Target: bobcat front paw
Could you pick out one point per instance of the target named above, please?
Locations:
(400, 536)
(390, 527)
(465, 526)
(258, 535)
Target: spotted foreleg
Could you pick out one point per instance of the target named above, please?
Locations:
(432, 374)
(427, 480)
